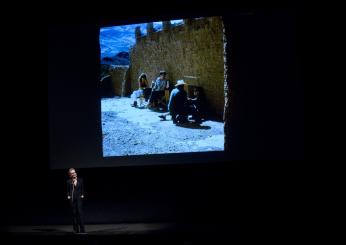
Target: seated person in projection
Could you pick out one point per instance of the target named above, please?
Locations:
(158, 90)
(196, 106)
(178, 103)
(141, 93)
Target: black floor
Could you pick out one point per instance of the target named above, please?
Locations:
(135, 233)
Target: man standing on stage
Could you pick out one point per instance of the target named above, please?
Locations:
(75, 194)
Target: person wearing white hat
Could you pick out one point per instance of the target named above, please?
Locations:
(178, 105)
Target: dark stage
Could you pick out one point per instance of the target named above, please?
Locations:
(132, 233)
(247, 195)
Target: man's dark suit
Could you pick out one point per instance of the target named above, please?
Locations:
(76, 201)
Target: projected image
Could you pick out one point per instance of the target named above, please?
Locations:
(162, 87)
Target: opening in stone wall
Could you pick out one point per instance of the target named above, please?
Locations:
(162, 87)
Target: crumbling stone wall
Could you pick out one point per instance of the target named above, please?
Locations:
(119, 76)
(192, 51)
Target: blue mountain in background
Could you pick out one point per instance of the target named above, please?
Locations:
(121, 58)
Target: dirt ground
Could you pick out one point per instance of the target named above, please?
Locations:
(139, 131)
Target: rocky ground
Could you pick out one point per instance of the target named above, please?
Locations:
(139, 131)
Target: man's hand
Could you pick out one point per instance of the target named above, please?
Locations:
(68, 197)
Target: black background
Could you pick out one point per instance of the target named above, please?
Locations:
(252, 191)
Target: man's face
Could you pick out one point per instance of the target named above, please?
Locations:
(73, 174)
(162, 76)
